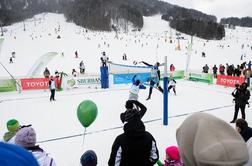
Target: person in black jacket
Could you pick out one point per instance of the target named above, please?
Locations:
(155, 77)
(215, 69)
(241, 96)
(135, 146)
(243, 129)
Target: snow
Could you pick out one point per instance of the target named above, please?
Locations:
(58, 119)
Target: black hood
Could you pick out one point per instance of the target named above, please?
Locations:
(134, 129)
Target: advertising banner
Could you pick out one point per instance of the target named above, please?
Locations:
(36, 83)
(229, 81)
(201, 77)
(85, 81)
(127, 78)
(7, 85)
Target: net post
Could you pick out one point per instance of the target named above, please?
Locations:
(165, 114)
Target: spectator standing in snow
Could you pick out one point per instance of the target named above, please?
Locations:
(215, 69)
(52, 88)
(74, 73)
(241, 96)
(11, 60)
(76, 54)
(46, 73)
(82, 67)
(205, 69)
(135, 146)
(172, 68)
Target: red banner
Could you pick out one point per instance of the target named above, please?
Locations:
(36, 83)
(229, 81)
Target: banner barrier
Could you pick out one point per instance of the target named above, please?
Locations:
(7, 85)
(127, 78)
(176, 74)
(36, 83)
(79, 82)
(229, 81)
(201, 77)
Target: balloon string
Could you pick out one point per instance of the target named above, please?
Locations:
(84, 136)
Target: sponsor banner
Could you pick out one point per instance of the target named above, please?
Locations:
(127, 78)
(7, 85)
(85, 81)
(36, 83)
(201, 77)
(176, 74)
(229, 81)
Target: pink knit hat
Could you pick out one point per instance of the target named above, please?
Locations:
(173, 152)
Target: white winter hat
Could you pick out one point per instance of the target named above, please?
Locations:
(205, 140)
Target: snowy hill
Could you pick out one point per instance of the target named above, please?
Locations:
(150, 44)
(55, 120)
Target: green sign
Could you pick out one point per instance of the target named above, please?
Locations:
(202, 77)
(7, 85)
(176, 74)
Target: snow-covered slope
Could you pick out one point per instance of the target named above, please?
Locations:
(58, 119)
(150, 44)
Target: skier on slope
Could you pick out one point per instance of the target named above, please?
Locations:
(155, 77)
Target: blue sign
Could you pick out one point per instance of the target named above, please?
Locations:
(127, 78)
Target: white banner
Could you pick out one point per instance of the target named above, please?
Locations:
(82, 82)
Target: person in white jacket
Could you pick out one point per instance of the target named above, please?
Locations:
(134, 89)
(26, 138)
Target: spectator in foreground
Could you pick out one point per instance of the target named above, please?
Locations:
(12, 126)
(135, 146)
(26, 138)
(242, 127)
(172, 157)
(205, 140)
(89, 158)
(13, 155)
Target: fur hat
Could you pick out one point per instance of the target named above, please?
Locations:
(89, 158)
(14, 155)
(173, 152)
(26, 137)
(205, 140)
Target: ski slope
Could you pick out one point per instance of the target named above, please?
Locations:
(55, 120)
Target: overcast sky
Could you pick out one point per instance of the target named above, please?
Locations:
(219, 8)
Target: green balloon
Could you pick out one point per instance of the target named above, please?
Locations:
(87, 112)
